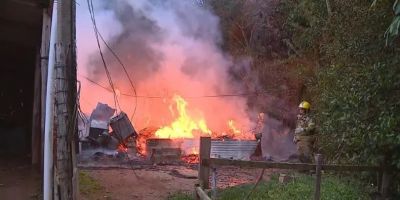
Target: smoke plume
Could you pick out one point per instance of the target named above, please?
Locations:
(169, 47)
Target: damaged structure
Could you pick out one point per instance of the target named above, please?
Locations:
(95, 132)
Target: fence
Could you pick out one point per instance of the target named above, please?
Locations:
(208, 164)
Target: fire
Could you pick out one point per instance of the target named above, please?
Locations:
(184, 125)
(232, 127)
(194, 151)
(122, 148)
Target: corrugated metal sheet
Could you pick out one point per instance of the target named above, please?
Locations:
(237, 150)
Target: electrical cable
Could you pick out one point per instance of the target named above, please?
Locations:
(125, 71)
(161, 97)
(92, 15)
(78, 98)
(98, 34)
(255, 186)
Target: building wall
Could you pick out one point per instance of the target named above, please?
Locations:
(20, 35)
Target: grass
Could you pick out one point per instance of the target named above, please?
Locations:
(302, 187)
(88, 185)
(181, 196)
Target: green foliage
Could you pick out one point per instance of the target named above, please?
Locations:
(233, 23)
(180, 196)
(301, 188)
(393, 31)
(356, 86)
(305, 20)
(358, 113)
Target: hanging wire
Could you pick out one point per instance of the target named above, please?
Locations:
(125, 71)
(92, 16)
(81, 115)
(162, 97)
(98, 34)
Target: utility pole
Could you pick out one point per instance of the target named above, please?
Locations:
(65, 103)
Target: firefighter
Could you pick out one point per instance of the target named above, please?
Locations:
(260, 126)
(258, 135)
(304, 134)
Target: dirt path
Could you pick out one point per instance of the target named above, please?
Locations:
(157, 183)
(19, 180)
(149, 185)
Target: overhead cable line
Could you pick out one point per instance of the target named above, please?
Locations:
(92, 16)
(98, 34)
(162, 97)
(125, 71)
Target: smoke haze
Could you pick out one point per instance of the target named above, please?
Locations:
(169, 47)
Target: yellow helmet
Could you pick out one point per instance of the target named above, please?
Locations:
(305, 105)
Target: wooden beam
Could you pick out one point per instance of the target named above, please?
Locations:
(28, 3)
(36, 116)
(257, 164)
(317, 192)
(214, 183)
(350, 168)
(44, 59)
(201, 194)
(21, 13)
(282, 165)
(204, 170)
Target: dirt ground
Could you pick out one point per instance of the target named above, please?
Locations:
(19, 180)
(158, 182)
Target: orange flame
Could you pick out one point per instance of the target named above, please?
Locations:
(184, 125)
(232, 127)
(122, 148)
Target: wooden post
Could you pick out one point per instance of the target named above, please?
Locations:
(214, 183)
(36, 117)
(65, 95)
(386, 179)
(195, 191)
(202, 195)
(385, 184)
(44, 59)
(379, 179)
(204, 171)
(318, 163)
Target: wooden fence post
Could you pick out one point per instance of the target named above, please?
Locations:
(214, 183)
(204, 170)
(195, 191)
(386, 177)
(385, 184)
(318, 163)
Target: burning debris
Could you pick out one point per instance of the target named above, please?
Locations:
(176, 143)
(99, 136)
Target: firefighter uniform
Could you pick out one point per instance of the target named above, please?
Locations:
(304, 136)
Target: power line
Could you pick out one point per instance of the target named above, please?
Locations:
(162, 97)
(92, 16)
(125, 71)
(97, 32)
